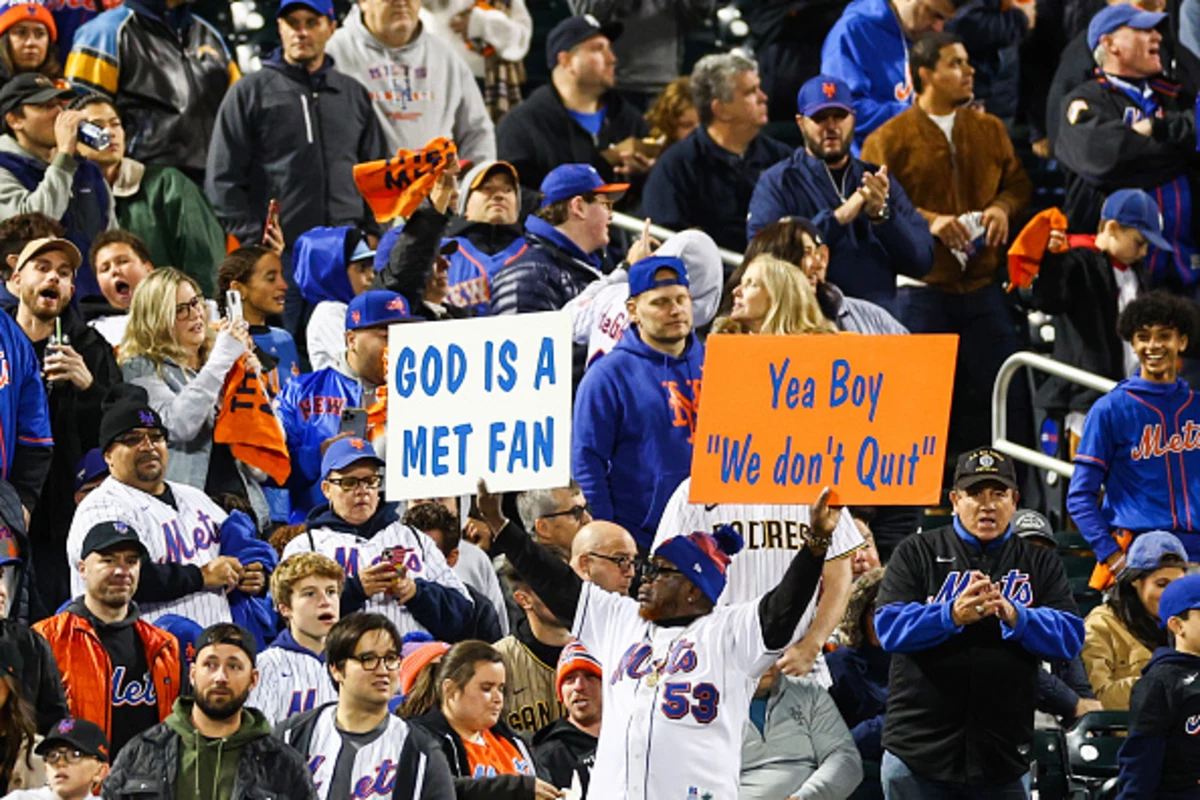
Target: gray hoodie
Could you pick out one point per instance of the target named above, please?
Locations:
(420, 91)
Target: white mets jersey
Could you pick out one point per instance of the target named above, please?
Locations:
(422, 559)
(291, 679)
(676, 699)
(190, 534)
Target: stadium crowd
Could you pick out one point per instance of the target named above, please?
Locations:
(206, 593)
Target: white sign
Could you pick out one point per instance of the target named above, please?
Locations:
(479, 398)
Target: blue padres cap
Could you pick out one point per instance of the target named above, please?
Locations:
(822, 92)
(376, 307)
(1180, 596)
(1148, 549)
(323, 7)
(1109, 19)
(570, 180)
(576, 30)
(1134, 208)
(345, 452)
(642, 274)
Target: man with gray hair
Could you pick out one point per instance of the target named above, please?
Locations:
(1124, 129)
(707, 179)
(554, 516)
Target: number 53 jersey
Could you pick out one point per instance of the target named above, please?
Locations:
(676, 698)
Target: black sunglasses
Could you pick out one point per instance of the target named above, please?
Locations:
(652, 571)
(577, 511)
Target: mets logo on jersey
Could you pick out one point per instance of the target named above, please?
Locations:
(1192, 726)
(683, 408)
(1014, 586)
(1154, 444)
(4, 379)
(904, 91)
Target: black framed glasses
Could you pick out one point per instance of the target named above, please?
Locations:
(186, 310)
(652, 571)
(576, 511)
(64, 753)
(370, 661)
(135, 438)
(351, 484)
(622, 563)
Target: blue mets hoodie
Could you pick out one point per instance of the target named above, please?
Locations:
(867, 49)
(635, 415)
(320, 260)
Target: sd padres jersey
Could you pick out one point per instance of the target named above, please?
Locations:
(676, 699)
(292, 679)
(354, 553)
(189, 535)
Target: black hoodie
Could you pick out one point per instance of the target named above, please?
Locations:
(562, 750)
(1161, 757)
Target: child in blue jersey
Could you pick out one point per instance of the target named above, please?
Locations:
(257, 273)
(1161, 757)
(1141, 441)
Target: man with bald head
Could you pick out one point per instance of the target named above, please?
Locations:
(605, 554)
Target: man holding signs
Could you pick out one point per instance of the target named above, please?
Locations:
(969, 610)
(680, 671)
(635, 412)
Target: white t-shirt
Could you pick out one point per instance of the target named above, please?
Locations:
(946, 123)
(326, 334)
(112, 328)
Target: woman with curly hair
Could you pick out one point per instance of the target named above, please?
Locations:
(673, 115)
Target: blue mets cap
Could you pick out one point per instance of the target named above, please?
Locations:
(822, 92)
(1124, 15)
(1134, 208)
(642, 275)
(376, 307)
(322, 7)
(345, 452)
(570, 180)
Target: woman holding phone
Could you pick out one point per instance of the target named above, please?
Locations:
(171, 350)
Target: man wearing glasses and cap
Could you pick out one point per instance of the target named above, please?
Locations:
(212, 747)
(76, 755)
(966, 606)
(41, 170)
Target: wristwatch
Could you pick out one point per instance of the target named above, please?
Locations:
(882, 216)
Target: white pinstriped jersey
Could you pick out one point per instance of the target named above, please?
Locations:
(372, 772)
(424, 560)
(291, 679)
(772, 536)
(189, 535)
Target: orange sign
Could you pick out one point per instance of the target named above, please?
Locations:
(783, 416)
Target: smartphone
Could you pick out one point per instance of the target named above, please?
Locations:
(396, 556)
(233, 305)
(354, 420)
(272, 216)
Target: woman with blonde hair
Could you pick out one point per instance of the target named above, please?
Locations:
(774, 297)
(673, 114)
(182, 362)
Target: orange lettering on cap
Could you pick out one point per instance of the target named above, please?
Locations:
(828, 89)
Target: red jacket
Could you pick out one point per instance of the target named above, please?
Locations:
(87, 670)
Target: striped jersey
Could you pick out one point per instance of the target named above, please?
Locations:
(291, 679)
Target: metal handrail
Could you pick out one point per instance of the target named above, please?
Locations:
(634, 225)
(1000, 405)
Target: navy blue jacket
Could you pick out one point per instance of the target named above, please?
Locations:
(1161, 757)
(961, 697)
(864, 257)
(860, 690)
(550, 272)
(993, 38)
(446, 613)
(699, 184)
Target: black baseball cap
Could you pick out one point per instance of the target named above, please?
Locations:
(84, 736)
(30, 89)
(106, 535)
(228, 633)
(984, 464)
(577, 30)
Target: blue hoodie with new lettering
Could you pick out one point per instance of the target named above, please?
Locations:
(635, 417)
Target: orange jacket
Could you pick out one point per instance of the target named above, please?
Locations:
(87, 670)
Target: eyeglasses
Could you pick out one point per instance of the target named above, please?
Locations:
(187, 310)
(652, 572)
(62, 753)
(605, 201)
(135, 438)
(352, 484)
(576, 511)
(370, 661)
(622, 563)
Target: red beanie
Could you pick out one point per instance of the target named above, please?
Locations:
(27, 12)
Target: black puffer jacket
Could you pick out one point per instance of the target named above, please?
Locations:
(548, 275)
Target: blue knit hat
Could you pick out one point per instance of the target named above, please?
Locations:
(703, 557)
